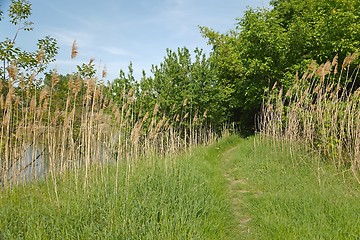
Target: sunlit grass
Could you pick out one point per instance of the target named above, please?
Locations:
(184, 199)
(291, 195)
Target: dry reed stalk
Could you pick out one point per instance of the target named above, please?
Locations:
(104, 73)
(75, 136)
(66, 129)
(88, 114)
(74, 50)
(13, 72)
(320, 113)
(40, 55)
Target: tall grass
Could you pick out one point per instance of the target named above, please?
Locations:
(320, 111)
(279, 194)
(44, 131)
(77, 163)
(184, 200)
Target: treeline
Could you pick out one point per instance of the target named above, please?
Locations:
(272, 45)
(225, 86)
(228, 85)
(267, 46)
(80, 120)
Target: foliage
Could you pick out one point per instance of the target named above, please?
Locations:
(319, 113)
(180, 84)
(188, 83)
(283, 192)
(13, 57)
(125, 85)
(172, 198)
(270, 46)
(86, 71)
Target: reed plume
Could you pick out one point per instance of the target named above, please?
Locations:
(320, 113)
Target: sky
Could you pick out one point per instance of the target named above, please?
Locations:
(117, 32)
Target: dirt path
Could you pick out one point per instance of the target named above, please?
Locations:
(236, 188)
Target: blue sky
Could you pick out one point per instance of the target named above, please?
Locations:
(115, 32)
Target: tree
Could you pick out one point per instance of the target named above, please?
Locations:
(86, 71)
(124, 85)
(185, 84)
(271, 45)
(25, 62)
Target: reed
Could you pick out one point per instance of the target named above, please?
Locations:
(320, 112)
(45, 134)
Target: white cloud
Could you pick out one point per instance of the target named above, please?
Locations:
(117, 51)
(67, 37)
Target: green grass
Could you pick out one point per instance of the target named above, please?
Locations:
(181, 198)
(231, 190)
(279, 195)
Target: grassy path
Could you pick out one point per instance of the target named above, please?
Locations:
(182, 197)
(278, 195)
(235, 189)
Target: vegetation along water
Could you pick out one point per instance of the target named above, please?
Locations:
(260, 139)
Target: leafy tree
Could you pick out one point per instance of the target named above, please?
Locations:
(86, 71)
(186, 84)
(148, 93)
(12, 57)
(183, 84)
(124, 85)
(271, 45)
